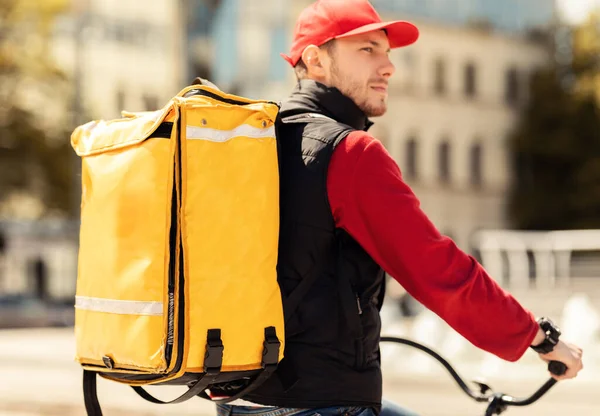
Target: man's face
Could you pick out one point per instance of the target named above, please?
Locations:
(359, 66)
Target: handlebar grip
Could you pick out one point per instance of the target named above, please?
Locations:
(557, 368)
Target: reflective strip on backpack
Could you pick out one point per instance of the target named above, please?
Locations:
(220, 136)
(123, 307)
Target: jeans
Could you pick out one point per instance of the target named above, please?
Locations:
(388, 409)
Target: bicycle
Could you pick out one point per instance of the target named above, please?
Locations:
(498, 403)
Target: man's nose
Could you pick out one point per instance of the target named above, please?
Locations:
(387, 68)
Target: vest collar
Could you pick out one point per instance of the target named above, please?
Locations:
(312, 96)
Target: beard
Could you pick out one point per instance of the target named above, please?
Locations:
(358, 92)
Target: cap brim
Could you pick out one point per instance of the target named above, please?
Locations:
(288, 58)
(399, 33)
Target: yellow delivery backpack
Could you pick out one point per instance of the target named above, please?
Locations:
(177, 279)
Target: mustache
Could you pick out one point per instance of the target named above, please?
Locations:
(379, 81)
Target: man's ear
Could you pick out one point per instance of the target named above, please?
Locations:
(312, 58)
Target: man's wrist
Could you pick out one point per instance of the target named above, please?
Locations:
(540, 337)
(550, 333)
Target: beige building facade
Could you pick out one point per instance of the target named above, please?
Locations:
(455, 99)
(130, 54)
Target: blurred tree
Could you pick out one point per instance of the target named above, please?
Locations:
(586, 56)
(556, 150)
(34, 127)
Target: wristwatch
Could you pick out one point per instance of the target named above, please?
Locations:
(552, 334)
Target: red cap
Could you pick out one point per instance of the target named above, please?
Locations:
(332, 19)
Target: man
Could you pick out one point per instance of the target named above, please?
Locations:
(347, 215)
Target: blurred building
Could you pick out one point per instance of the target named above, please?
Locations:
(236, 43)
(38, 266)
(38, 259)
(508, 16)
(122, 54)
(454, 99)
(453, 103)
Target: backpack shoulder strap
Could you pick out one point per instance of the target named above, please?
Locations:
(305, 118)
(340, 131)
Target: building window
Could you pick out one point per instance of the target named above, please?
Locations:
(201, 70)
(470, 80)
(381, 132)
(476, 165)
(439, 77)
(410, 170)
(444, 161)
(410, 69)
(511, 94)
(120, 100)
(409, 58)
(39, 272)
(199, 17)
(150, 102)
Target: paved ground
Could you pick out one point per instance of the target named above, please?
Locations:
(39, 377)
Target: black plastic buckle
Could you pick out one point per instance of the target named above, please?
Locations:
(213, 358)
(271, 347)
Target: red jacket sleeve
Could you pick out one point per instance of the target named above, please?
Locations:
(370, 200)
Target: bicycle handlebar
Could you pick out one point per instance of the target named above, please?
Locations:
(498, 402)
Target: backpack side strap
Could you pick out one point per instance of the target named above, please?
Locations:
(271, 348)
(90, 394)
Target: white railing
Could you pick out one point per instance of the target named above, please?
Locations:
(524, 259)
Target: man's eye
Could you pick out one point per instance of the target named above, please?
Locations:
(370, 50)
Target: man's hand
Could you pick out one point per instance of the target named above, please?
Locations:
(568, 354)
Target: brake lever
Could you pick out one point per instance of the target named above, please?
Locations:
(484, 389)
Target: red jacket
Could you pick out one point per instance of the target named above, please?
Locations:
(376, 207)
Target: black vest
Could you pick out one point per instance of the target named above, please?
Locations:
(332, 288)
